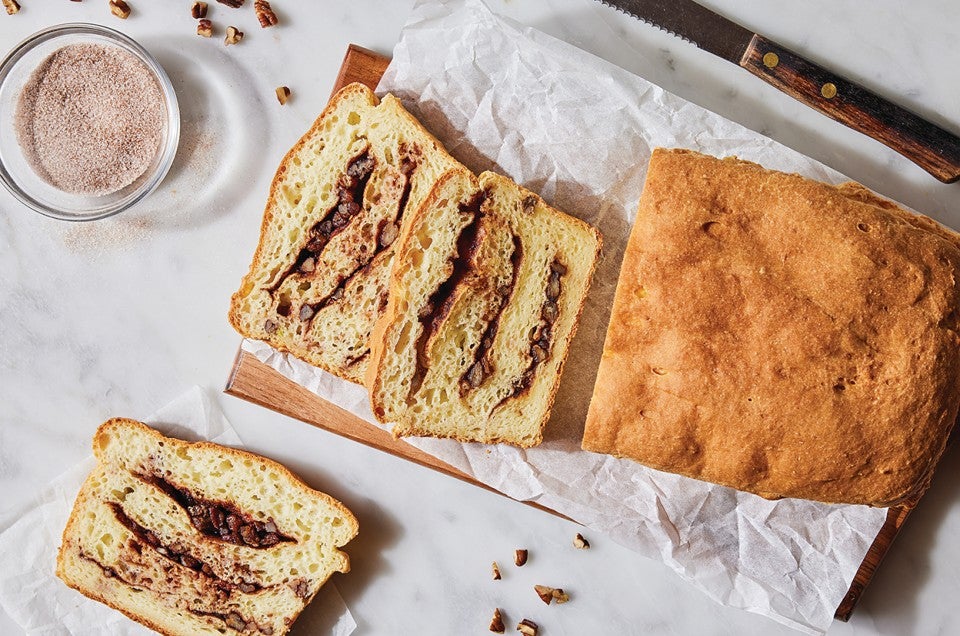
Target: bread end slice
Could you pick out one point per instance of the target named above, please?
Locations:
(196, 538)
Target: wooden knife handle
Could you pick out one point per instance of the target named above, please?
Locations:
(932, 148)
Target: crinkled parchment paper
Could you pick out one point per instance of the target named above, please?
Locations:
(41, 603)
(580, 132)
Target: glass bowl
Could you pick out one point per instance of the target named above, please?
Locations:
(16, 171)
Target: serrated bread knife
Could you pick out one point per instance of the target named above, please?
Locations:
(929, 146)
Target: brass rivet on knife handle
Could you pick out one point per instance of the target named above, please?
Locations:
(931, 147)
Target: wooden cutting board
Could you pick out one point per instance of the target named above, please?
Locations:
(256, 382)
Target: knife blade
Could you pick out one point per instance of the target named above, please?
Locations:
(930, 146)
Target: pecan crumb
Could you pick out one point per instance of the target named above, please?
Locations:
(198, 10)
(283, 94)
(580, 543)
(205, 28)
(120, 9)
(527, 627)
(11, 6)
(496, 571)
(234, 35)
(265, 13)
(520, 557)
(496, 623)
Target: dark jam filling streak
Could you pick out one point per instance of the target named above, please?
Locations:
(350, 189)
(439, 304)
(541, 335)
(149, 538)
(387, 232)
(483, 367)
(236, 622)
(221, 520)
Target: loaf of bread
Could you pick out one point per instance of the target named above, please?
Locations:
(198, 538)
(780, 336)
(486, 292)
(318, 279)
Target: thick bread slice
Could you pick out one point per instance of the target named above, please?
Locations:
(781, 336)
(318, 280)
(484, 299)
(198, 538)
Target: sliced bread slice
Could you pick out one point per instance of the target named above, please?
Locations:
(485, 296)
(199, 538)
(318, 279)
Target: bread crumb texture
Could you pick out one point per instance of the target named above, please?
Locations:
(318, 280)
(196, 538)
(485, 296)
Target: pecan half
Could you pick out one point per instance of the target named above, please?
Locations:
(265, 14)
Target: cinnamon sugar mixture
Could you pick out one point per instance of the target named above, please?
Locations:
(90, 120)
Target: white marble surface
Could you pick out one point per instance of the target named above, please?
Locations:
(120, 316)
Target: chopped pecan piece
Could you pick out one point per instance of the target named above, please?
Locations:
(205, 28)
(496, 623)
(120, 9)
(496, 571)
(544, 592)
(11, 6)
(233, 4)
(234, 35)
(580, 543)
(283, 94)
(549, 594)
(527, 627)
(235, 621)
(198, 10)
(520, 557)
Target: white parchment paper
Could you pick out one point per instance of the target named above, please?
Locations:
(580, 132)
(42, 604)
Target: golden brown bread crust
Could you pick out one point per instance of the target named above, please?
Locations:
(780, 336)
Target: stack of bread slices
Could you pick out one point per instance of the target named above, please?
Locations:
(383, 260)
